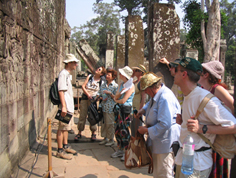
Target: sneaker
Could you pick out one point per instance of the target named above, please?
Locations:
(103, 142)
(70, 150)
(123, 158)
(63, 155)
(110, 143)
(118, 153)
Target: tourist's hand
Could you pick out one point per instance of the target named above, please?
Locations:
(193, 125)
(143, 129)
(179, 119)
(63, 111)
(164, 61)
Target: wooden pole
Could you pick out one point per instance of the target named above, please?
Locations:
(49, 173)
(49, 145)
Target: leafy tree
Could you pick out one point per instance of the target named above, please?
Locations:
(192, 22)
(95, 30)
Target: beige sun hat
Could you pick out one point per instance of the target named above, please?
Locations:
(148, 80)
(141, 68)
(215, 68)
(126, 71)
(70, 58)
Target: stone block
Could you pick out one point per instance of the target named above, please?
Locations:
(134, 45)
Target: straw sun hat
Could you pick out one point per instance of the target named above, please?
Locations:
(141, 68)
(148, 80)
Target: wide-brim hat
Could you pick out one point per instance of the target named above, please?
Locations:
(215, 68)
(126, 71)
(148, 80)
(70, 58)
(141, 68)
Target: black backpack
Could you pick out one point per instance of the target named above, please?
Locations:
(53, 93)
(94, 115)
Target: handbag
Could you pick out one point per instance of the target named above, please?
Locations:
(225, 145)
(137, 154)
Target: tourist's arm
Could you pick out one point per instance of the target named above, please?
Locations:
(63, 103)
(84, 87)
(194, 126)
(225, 97)
(126, 96)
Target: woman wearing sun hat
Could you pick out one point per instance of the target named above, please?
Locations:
(123, 98)
(210, 80)
(139, 97)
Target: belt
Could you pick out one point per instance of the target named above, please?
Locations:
(203, 149)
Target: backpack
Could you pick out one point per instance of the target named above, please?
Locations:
(53, 93)
(94, 115)
(225, 145)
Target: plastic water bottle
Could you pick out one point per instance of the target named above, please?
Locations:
(188, 154)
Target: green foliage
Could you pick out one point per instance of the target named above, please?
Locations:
(230, 58)
(95, 30)
(132, 6)
(229, 9)
(192, 23)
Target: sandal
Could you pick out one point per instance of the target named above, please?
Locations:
(93, 137)
(77, 137)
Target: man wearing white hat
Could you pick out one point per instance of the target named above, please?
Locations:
(67, 106)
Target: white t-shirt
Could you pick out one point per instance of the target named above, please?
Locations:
(92, 86)
(213, 114)
(64, 84)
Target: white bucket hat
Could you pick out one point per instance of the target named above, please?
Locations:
(70, 58)
(126, 71)
(215, 68)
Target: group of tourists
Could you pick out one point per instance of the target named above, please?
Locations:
(168, 117)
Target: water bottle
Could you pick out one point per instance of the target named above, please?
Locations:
(188, 154)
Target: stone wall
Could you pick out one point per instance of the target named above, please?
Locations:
(31, 52)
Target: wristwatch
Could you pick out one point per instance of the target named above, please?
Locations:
(204, 129)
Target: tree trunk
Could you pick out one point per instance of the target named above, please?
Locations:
(211, 37)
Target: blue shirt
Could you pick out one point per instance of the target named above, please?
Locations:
(129, 101)
(161, 112)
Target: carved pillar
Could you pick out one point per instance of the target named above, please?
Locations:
(109, 50)
(120, 52)
(163, 39)
(134, 46)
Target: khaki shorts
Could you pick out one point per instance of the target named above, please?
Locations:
(64, 126)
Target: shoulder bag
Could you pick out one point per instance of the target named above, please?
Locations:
(224, 144)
